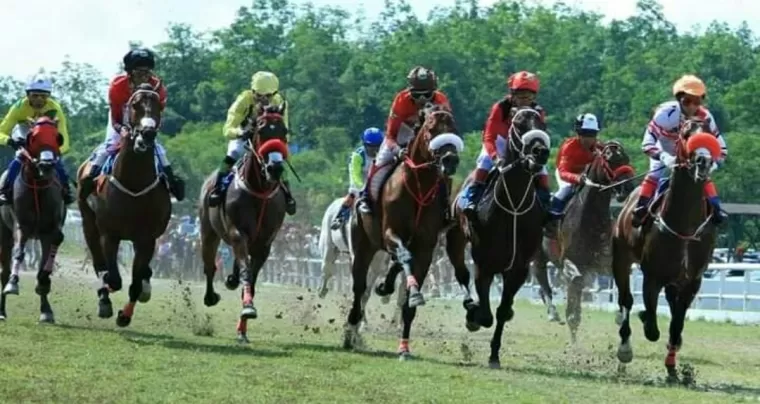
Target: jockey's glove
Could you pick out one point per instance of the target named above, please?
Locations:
(14, 143)
(667, 159)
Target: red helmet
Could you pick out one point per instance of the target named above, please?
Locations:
(523, 80)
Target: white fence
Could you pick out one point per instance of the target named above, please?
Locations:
(724, 296)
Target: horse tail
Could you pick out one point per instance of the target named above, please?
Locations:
(205, 189)
(327, 218)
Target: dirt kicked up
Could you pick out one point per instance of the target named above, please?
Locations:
(176, 350)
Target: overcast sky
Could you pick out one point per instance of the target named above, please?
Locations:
(98, 31)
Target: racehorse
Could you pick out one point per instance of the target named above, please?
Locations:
(251, 214)
(131, 203)
(407, 222)
(673, 248)
(583, 245)
(37, 212)
(506, 230)
(332, 243)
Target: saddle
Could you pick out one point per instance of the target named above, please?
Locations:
(109, 164)
(656, 203)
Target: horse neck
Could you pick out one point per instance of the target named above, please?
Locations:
(133, 169)
(594, 200)
(251, 172)
(683, 207)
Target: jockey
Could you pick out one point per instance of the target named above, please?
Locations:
(265, 87)
(358, 168)
(573, 157)
(659, 142)
(138, 65)
(523, 89)
(35, 104)
(402, 125)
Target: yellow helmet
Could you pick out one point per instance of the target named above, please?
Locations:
(265, 83)
(690, 84)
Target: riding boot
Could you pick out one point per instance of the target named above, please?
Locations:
(63, 177)
(556, 212)
(88, 183)
(640, 212)
(363, 204)
(176, 184)
(290, 202)
(718, 215)
(341, 217)
(472, 196)
(444, 199)
(14, 169)
(217, 194)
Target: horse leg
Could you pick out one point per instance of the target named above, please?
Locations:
(110, 278)
(147, 289)
(388, 285)
(479, 314)
(422, 262)
(679, 301)
(140, 264)
(210, 246)
(46, 264)
(621, 271)
(512, 281)
(329, 254)
(404, 257)
(374, 272)
(574, 299)
(541, 273)
(19, 251)
(455, 250)
(650, 294)
(257, 262)
(6, 244)
(365, 252)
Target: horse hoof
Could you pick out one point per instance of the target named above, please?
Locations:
(11, 289)
(2, 317)
(105, 309)
(494, 364)
(404, 356)
(248, 313)
(625, 353)
(122, 320)
(323, 293)
(47, 318)
(380, 290)
(232, 282)
(553, 316)
(242, 338)
(416, 300)
(146, 293)
(472, 327)
(211, 299)
(385, 299)
(672, 374)
(619, 318)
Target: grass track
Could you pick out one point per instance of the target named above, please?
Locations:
(176, 350)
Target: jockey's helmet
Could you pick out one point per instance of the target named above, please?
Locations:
(372, 137)
(139, 58)
(422, 79)
(265, 83)
(691, 85)
(523, 81)
(39, 84)
(587, 125)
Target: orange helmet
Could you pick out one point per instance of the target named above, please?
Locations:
(689, 84)
(523, 80)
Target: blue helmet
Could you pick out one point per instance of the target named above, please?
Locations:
(372, 136)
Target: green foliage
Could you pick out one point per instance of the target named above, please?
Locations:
(339, 74)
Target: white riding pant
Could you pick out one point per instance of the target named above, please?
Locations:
(19, 133)
(385, 156)
(656, 169)
(565, 188)
(112, 140)
(236, 148)
(486, 163)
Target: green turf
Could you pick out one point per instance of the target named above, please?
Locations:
(176, 350)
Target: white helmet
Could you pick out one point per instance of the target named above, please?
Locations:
(40, 83)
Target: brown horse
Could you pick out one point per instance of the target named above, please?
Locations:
(251, 214)
(408, 221)
(673, 249)
(132, 204)
(37, 211)
(507, 229)
(583, 246)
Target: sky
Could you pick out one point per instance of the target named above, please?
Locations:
(98, 31)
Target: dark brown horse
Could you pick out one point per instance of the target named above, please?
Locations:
(508, 228)
(583, 246)
(132, 204)
(251, 214)
(408, 222)
(37, 212)
(673, 249)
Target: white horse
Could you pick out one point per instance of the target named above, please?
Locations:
(333, 243)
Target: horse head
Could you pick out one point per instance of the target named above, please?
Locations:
(697, 149)
(438, 142)
(266, 139)
(612, 165)
(528, 142)
(43, 146)
(144, 117)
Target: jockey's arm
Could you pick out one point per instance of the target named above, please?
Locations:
(355, 167)
(723, 146)
(401, 109)
(236, 114)
(651, 135)
(493, 128)
(116, 108)
(163, 96)
(285, 118)
(565, 166)
(443, 100)
(63, 128)
(10, 120)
